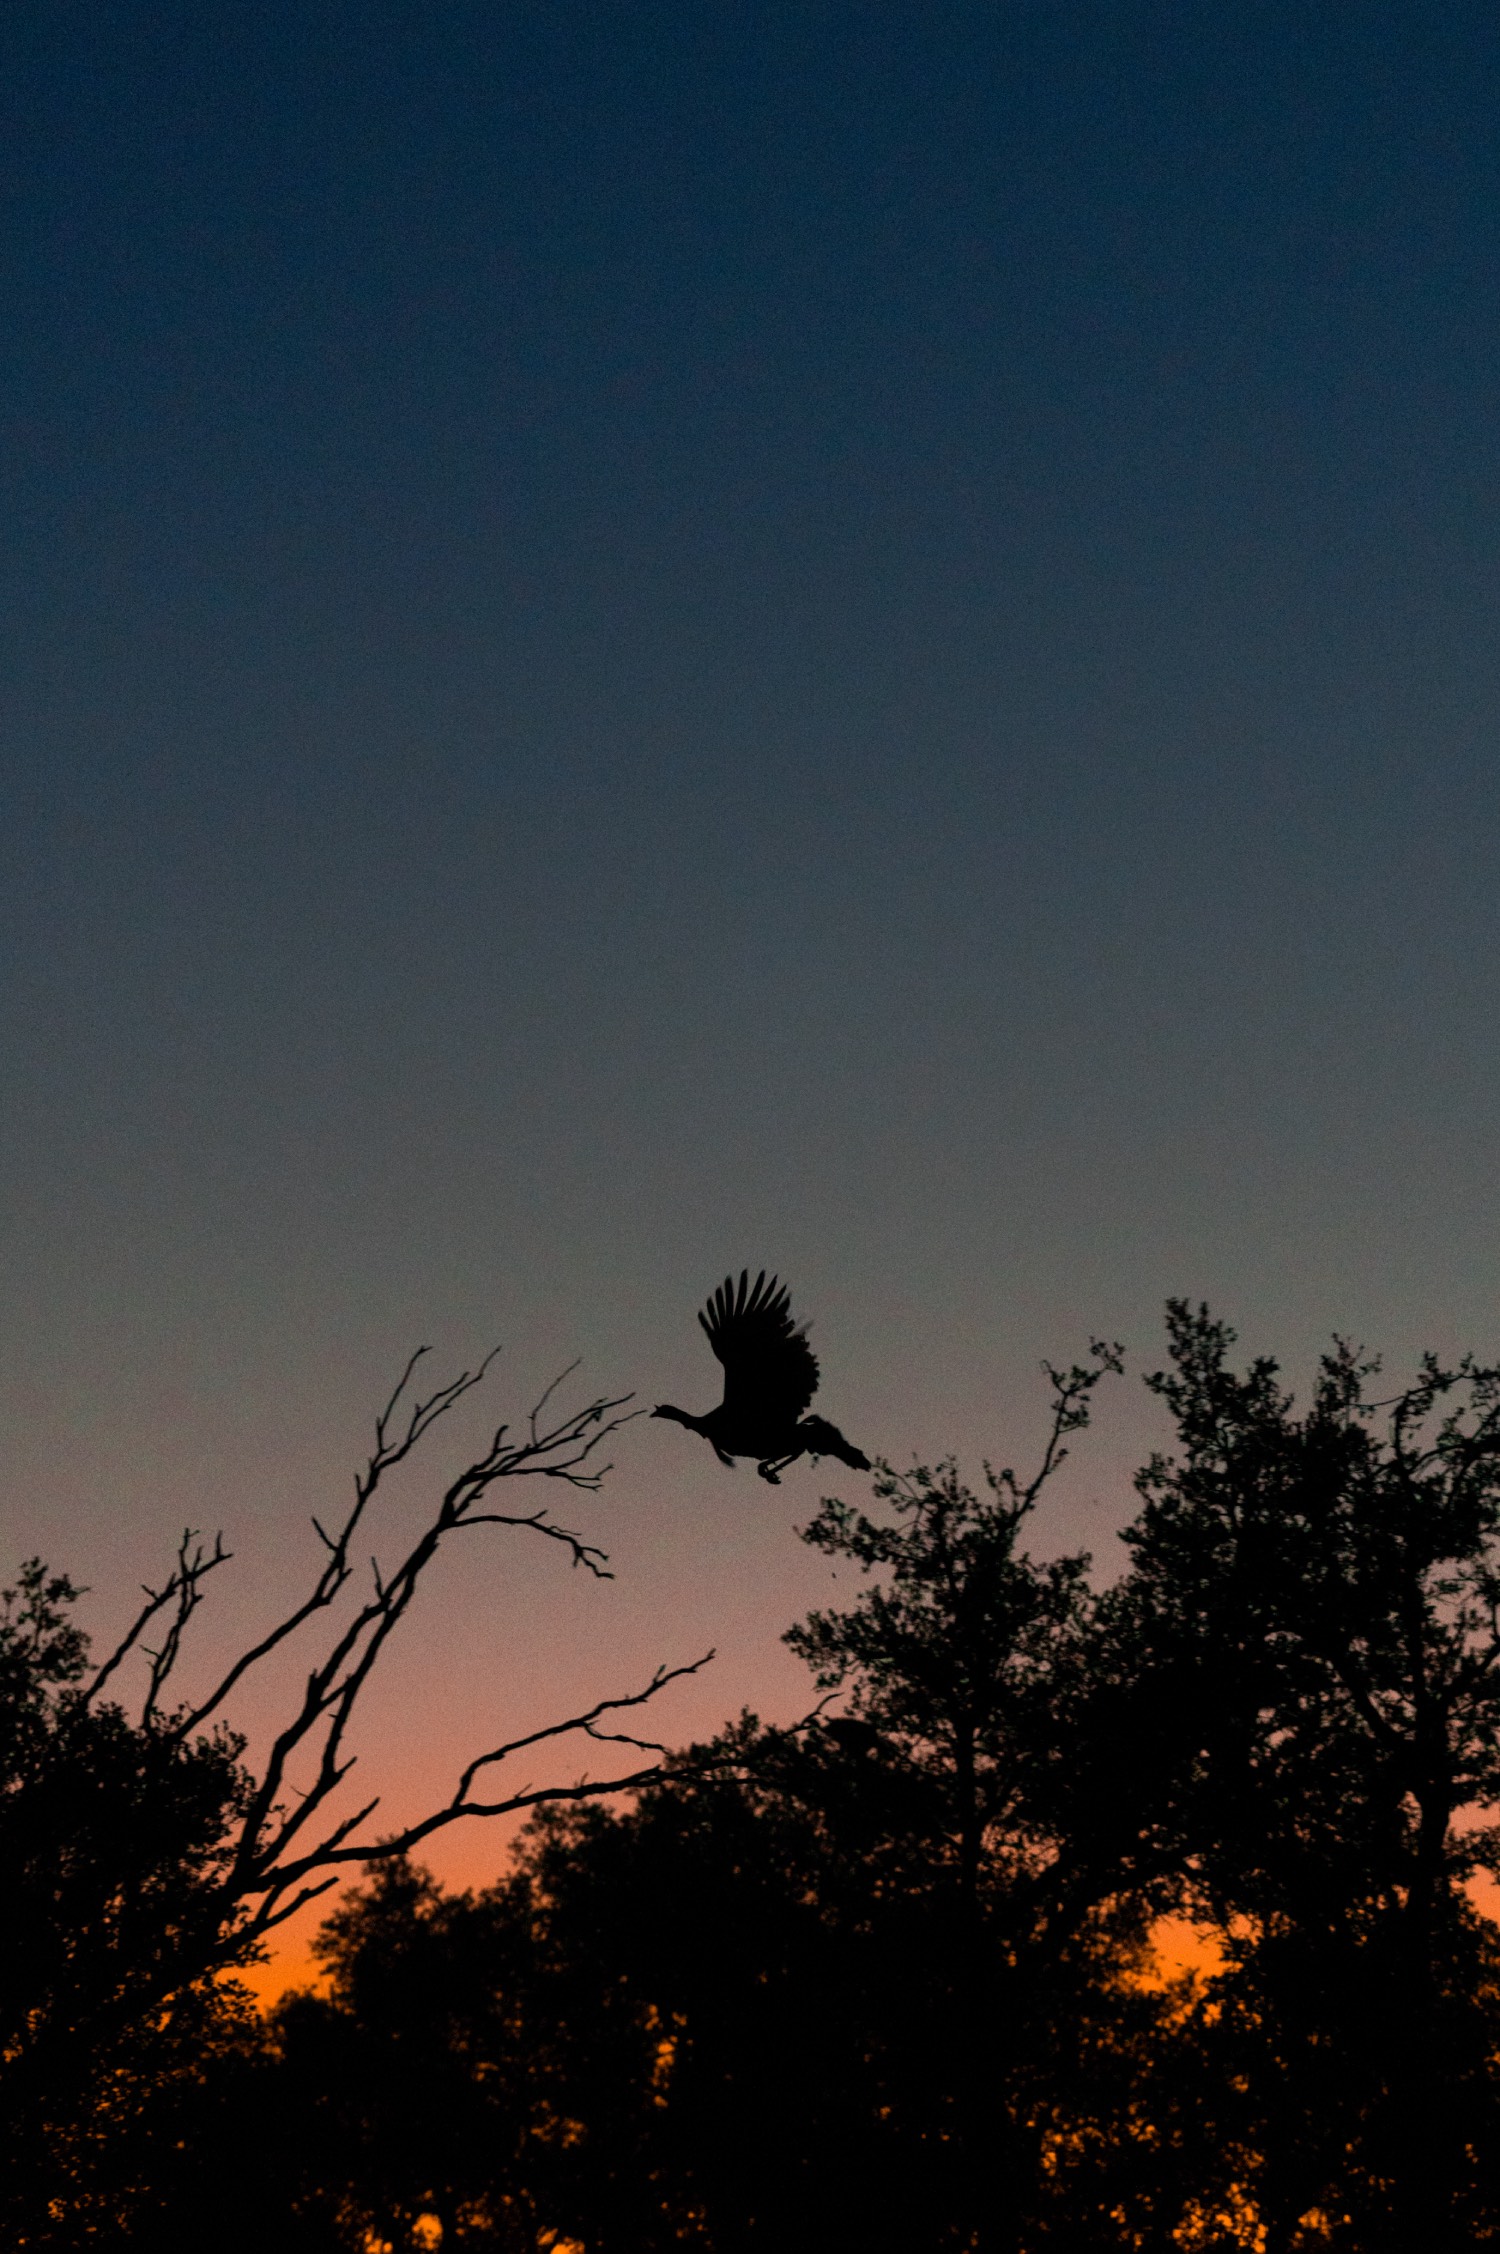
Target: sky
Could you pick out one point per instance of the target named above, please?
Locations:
(636, 639)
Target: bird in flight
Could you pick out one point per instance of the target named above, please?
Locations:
(770, 1376)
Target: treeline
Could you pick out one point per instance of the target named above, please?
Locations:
(885, 1982)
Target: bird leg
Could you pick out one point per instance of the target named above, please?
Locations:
(772, 1471)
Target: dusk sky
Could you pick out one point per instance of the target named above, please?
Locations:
(640, 638)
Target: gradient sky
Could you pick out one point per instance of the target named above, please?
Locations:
(642, 637)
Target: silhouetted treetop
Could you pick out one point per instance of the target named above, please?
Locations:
(883, 1978)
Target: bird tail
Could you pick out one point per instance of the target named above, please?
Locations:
(825, 1439)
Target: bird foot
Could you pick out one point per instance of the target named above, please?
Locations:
(770, 1474)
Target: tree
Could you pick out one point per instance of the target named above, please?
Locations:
(422, 2075)
(1316, 1600)
(113, 1846)
(882, 1978)
(624, 2043)
(143, 1860)
(962, 1659)
(773, 2001)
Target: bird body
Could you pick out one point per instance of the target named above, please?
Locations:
(770, 1377)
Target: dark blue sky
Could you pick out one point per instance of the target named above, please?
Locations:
(642, 637)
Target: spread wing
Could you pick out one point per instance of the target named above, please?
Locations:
(769, 1369)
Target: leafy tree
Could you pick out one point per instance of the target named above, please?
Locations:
(114, 1848)
(967, 1659)
(882, 1979)
(420, 2077)
(1314, 1598)
(650, 2034)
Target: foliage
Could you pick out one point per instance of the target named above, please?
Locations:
(885, 1978)
(1314, 1598)
(114, 1844)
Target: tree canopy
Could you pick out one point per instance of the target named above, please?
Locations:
(891, 1977)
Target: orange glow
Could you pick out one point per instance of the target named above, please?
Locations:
(269, 1982)
(1179, 1946)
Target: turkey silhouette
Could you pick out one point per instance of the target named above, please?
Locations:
(770, 1376)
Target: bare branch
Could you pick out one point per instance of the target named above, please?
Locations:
(290, 1846)
(387, 1453)
(658, 1682)
(333, 1688)
(394, 1442)
(182, 1589)
(1070, 1413)
(586, 1554)
(260, 1924)
(269, 1858)
(274, 1876)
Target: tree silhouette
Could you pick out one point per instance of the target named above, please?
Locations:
(954, 1656)
(113, 1846)
(143, 1860)
(734, 2016)
(1314, 1598)
(880, 1979)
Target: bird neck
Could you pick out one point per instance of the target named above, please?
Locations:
(680, 1416)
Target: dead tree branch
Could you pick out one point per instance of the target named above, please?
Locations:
(182, 1591)
(281, 1879)
(272, 1869)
